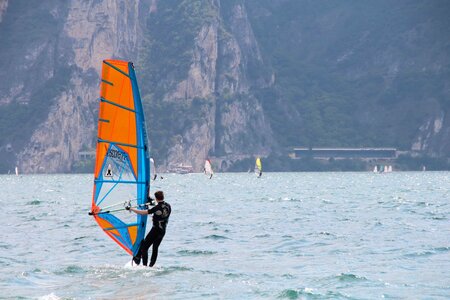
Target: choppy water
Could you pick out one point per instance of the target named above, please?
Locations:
(283, 236)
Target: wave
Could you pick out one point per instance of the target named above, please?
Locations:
(216, 237)
(348, 277)
(262, 235)
(326, 233)
(234, 275)
(5, 246)
(423, 204)
(205, 223)
(289, 294)
(425, 253)
(50, 296)
(289, 199)
(72, 269)
(34, 202)
(169, 270)
(195, 252)
(309, 293)
(442, 249)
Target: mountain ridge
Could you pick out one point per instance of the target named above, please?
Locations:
(228, 79)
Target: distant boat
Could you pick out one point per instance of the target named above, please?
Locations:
(17, 171)
(258, 167)
(180, 169)
(153, 173)
(208, 169)
(382, 169)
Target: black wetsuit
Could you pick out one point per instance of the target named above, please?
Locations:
(161, 213)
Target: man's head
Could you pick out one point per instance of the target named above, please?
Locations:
(159, 195)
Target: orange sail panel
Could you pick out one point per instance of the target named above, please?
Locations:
(122, 158)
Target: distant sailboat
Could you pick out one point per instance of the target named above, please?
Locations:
(153, 173)
(382, 169)
(17, 171)
(208, 169)
(258, 167)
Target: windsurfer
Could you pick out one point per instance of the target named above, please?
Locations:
(161, 213)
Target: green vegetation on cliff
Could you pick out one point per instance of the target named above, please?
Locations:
(165, 58)
(353, 73)
(333, 74)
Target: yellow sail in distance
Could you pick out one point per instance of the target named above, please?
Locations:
(258, 164)
(258, 167)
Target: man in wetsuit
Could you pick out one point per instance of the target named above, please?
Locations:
(161, 212)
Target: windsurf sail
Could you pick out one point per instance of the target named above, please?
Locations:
(258, 167)
(153, 173)
(208, 169)
(122, 159)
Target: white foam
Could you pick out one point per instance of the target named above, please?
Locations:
(49, 297)
(132, 266)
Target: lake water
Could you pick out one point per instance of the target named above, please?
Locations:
(282, 236)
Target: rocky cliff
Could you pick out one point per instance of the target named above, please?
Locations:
(3, 6)
(231, 122)
(57, 72)
(433, 136)
(224, 79)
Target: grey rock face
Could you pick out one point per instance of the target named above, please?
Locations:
(92, 31)
(51, 71)
(234, 122)
(434, 136)
(85, 33)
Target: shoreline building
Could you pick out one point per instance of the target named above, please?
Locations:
(344, 153)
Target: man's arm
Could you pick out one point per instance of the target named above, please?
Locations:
(137, 211)
(153, 209)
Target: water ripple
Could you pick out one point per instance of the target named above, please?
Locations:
(338, 235)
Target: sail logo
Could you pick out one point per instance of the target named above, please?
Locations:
(117, 154)
(109, 171)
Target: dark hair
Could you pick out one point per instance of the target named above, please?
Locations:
(159, 195)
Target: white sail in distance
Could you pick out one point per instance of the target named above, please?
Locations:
(153, 173)
(208, 169)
